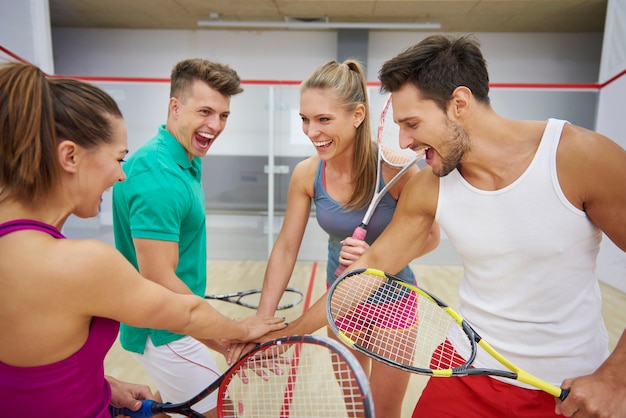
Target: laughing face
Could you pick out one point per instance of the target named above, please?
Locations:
(423, 124)
(98, 169)
(198, 118)
(330, 127)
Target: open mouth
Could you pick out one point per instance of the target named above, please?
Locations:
(204, 139)
(421, 150)
(322, 144)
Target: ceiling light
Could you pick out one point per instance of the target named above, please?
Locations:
(317, 25)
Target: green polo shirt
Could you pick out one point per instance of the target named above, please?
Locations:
(162, 199)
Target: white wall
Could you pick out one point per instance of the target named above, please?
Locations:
(611, 122)
(292, 55)
(25, 30)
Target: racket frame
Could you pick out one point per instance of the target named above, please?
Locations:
(236, 298)
(151, 408)
(514, 372)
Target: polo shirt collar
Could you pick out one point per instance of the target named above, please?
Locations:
(178, 152)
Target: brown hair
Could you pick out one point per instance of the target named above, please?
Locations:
(36, 113)
(219, 77)
(348, 81)
(436, 66)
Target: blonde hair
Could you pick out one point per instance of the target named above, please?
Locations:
(348, 82)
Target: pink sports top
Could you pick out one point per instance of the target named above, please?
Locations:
(72, 387)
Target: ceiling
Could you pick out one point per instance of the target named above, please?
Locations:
(453, 15)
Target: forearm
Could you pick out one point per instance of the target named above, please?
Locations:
(215, 345)
(310, 321)
(277, 274)
(204, 322)
(615, 364)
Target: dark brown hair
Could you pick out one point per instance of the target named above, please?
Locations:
(436, 66)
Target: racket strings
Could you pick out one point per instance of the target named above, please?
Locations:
(300, 380)
(389, 141)
(397, 324)
(394, 158)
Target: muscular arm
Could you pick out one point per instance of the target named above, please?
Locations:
(592, 173)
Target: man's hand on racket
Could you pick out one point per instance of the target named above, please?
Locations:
(128, 395)
(351, 250)
(601, 394)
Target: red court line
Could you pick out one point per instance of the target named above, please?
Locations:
(291, 379)
(522, 86)
(309, 291)
(12, 55)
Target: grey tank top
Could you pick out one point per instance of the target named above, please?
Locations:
(340, 223)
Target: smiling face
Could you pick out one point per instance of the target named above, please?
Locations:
(330, 127)
(98, 169)
(423, 124)
(198, 118)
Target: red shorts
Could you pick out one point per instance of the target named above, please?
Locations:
(481, 397)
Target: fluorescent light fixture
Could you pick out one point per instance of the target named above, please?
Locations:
(318, 25)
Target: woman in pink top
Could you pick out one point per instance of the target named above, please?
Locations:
(62, 142)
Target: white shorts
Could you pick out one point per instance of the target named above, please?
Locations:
(180, 370)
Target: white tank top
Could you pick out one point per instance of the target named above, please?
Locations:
(529, 286)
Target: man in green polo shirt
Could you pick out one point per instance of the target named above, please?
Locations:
(159, 222)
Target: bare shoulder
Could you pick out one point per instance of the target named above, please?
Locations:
(592, 173)
(69, 275)
(422, 192)
(303, 175)
(308, 165)
(586, 157)
(576, 141)
(89, 260)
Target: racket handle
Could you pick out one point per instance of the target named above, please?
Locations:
(564, 393)
(144, 411)
(359, 233)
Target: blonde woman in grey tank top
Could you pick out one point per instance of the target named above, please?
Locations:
(335, 116)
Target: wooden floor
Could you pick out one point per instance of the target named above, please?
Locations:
(228, 276)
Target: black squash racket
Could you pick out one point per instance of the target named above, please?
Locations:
(250, 298)
(297, 376)
(390, 154)
(406, 327)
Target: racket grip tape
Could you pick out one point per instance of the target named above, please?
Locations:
(144, 411)
(564, 393)
(359, 233)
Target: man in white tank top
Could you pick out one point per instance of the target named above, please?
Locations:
(525, 204)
